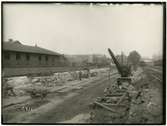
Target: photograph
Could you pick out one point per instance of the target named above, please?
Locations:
(83, 63)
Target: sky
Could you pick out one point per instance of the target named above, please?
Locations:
(86, 29)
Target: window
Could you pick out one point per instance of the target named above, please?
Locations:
(28, 57)
(39, 58)
(7, 56)
(46, 58)
(53, 59)
(18, 56)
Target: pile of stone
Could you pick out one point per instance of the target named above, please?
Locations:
(26, 84)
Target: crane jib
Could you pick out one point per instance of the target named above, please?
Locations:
(116, 62)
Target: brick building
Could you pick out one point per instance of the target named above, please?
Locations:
(19, 57)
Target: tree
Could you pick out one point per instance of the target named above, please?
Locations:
(134, 58)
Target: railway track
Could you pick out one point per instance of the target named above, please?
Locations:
(155, 73)
(155, 69)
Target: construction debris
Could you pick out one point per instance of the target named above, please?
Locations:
(40, 86)
(117, 98)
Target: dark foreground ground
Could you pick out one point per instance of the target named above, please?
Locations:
(60, 106)
(72, 105)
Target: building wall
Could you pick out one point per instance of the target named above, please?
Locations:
(34, 60)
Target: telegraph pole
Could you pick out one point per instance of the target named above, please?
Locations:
(122, 58)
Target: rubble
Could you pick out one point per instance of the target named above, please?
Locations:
(37, 91)
(126, 103)
(125, 97)
(40, 86)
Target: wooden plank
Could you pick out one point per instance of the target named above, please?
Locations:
(105, 107)
(122, 98)
(116, 94)
(120, 105)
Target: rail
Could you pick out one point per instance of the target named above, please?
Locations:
(154, 73)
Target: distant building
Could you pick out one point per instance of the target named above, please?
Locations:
(17, 55)
(77, 60)
(87, 60)
(158, 59)
(147, 61)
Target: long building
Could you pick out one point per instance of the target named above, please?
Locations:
(20, 59)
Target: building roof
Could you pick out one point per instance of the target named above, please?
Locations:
(18, 47)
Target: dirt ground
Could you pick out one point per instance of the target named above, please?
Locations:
(146, 105)
(59, 106)
(72, 105)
